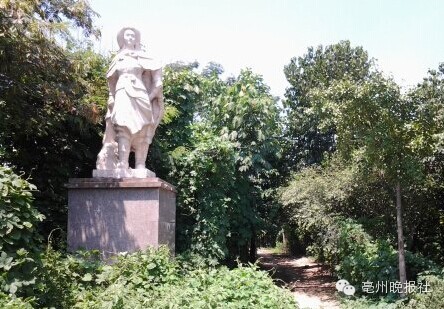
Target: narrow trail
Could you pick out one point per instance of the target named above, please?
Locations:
(311, 283)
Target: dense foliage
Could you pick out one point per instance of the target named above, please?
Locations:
(307, 138)
(217, 145)
(432, 300)
(150, 279)
(387, 142)
(206, 178)
(50, 97)
(19, 240)
(318, 200)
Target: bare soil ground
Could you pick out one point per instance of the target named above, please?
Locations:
(311, 283)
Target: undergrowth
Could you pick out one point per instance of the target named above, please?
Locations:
(148, 279)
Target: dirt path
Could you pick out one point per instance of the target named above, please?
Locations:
(310, 282)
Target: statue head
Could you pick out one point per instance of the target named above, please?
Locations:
(129, 37)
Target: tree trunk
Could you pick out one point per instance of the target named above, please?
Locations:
(401, 252)
(284, 241)
(253, 248)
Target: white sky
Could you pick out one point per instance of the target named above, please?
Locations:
(406, 36)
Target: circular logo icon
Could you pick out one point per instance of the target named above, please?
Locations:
(341, 284)
(349, 290)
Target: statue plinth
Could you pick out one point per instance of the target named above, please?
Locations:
(120, 215)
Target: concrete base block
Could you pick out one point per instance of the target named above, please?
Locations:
(120, 215)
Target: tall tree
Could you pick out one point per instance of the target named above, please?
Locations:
(225, 170)
(48, 107)
(428, 98)
(248, 115)
(376, 127)
(318, 68)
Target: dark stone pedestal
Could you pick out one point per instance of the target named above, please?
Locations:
(120, 215)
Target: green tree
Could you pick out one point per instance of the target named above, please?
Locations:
(223, 160)
(376, 127)
(247, 114)
(205, 174)
(428, 99)
(50, 97)
(319, 68)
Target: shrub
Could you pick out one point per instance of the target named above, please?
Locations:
(148, 279)
(434, 299)
(242, 287)
(19, 241)
(361, 259)
(205, 177)
(62, 278)
(152, 279)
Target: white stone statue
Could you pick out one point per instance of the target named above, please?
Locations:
(135, 108)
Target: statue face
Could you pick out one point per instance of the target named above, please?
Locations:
(129, 38)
